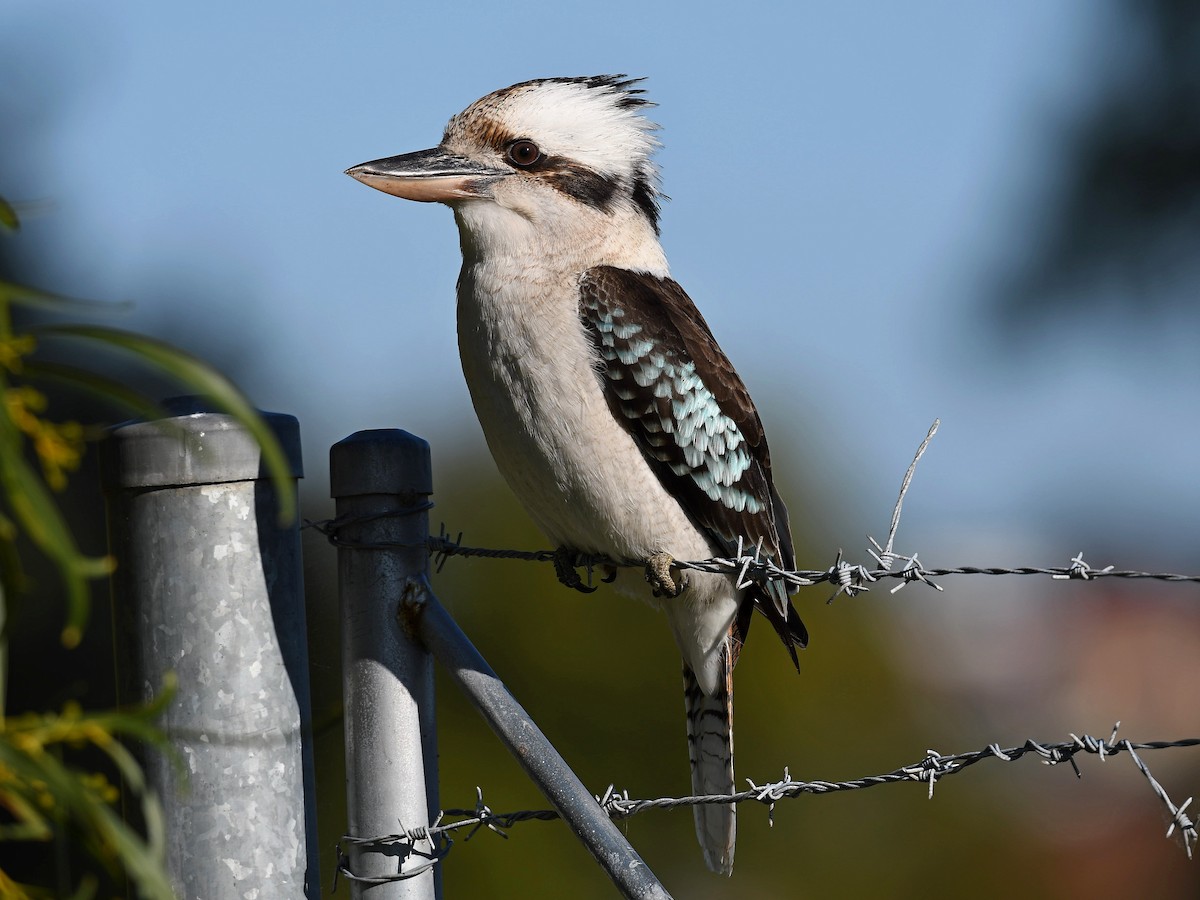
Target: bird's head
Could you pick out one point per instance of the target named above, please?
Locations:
(556, 156)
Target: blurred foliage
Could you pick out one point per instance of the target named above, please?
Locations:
(1126, 219)
(43, 797)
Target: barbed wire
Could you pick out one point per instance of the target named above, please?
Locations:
(619, 805)
(849, 578)
(429, 844)
(748, 564)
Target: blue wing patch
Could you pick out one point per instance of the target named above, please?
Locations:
(683, 423)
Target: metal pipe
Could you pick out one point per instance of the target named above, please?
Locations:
(209, 586)
(537, 756)
(381, 481)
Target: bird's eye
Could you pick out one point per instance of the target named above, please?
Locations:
(523, 153)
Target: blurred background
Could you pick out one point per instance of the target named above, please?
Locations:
(984, 214)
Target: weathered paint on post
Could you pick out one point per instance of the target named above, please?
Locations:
(209, 586)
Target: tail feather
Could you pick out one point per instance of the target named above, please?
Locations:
(710, 750)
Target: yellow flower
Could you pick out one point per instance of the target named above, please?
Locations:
(59, 446)
(60, 449)
(14, 348)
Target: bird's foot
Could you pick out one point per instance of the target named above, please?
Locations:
(565, 560)
(658, 574)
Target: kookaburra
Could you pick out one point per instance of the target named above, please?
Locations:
(608, 405)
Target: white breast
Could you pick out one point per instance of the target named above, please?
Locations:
(529, 367)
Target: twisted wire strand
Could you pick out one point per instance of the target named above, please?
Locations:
(442, 547)
(850, 579)
(929, 770)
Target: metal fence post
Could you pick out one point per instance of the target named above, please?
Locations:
(209, 585)
(381, 481)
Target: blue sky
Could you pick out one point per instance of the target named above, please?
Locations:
(845, 181)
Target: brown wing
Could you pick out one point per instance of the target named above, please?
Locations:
(670, 384)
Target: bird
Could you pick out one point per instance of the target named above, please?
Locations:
(606, 402)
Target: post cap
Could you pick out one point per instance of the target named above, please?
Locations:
(193, 445)
(380, 461)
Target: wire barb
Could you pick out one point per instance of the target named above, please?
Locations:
(851, 580)
(1178, 817)
(931, 768)
(884, 555)
(1081, 570)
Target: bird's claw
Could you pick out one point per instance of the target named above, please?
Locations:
(658, 574)
(564, 568)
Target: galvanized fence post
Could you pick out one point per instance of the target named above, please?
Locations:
(209, 586)
(381, 481)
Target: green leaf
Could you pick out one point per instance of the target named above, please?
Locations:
(42, 793)
(28, 823)
(98, 386)
(88, 885)
(39, 517)
(201, 378)
(139, 858)
(20, 295)
(12, 575)
(100, 828)
(8, 216)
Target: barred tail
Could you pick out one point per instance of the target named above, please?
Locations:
(710, 749)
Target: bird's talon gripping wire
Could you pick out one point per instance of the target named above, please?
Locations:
(658, 574)
(564, 568)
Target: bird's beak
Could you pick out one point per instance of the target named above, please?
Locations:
(430, 176)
